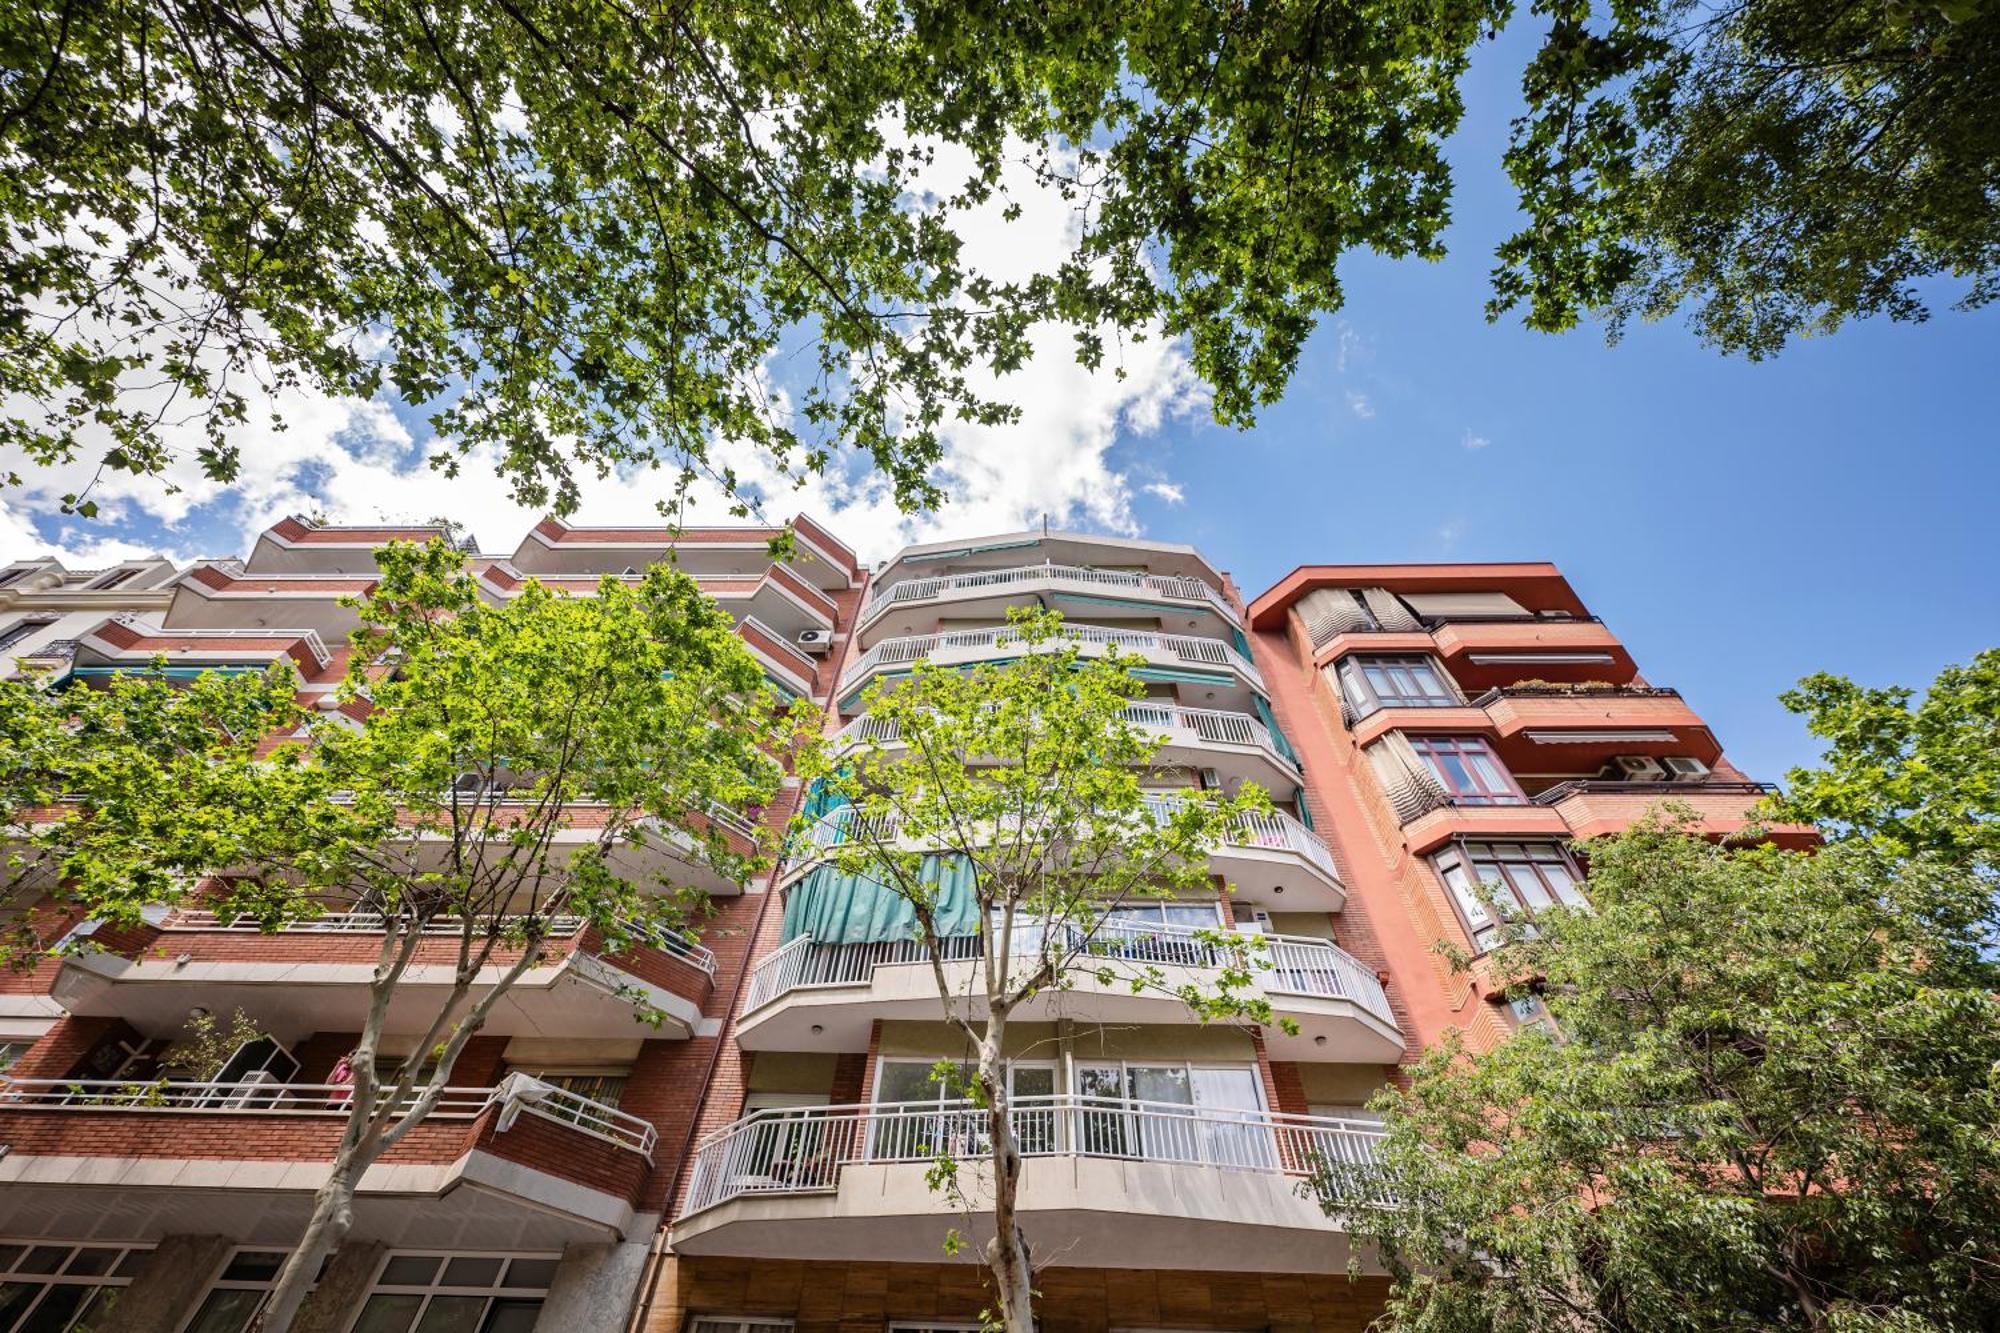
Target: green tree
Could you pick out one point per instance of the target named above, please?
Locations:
(1777, 167)
(577, 230)
(1905, 779)
(1768, 1099)
(1028, 776)
(450, 810)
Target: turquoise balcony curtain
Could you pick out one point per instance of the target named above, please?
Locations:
(821, 799)
(836, 908)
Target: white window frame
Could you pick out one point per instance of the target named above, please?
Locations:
(436, 1287)
(735, 1323)
(110, 1278)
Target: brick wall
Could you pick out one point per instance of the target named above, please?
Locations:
(862, 1297)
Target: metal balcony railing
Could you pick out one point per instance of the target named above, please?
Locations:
(517, 1093)
(995, 640)
(1209, 725)
(1168, 587)
(1276, 831)
(803, 1150)
(1284, 965)
(373, 923)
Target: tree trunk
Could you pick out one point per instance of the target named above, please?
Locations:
(332, 1217)
(1007, 1256)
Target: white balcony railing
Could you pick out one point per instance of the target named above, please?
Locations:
(803, 1150)
(1179, 725)
(373, 923)
(1167, 587)
(978, 644)
(517, 1093)
(1276, 831)
(1283, 965)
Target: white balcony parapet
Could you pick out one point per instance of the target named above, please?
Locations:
(976, 644)
(1166, 587)
(1210, 726)
(1284, 965)
(374, 923)
(1276, 831)
(517, 1093)
(803, 1150)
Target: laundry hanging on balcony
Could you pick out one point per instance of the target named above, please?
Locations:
(837, 908)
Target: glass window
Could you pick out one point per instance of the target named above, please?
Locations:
(469, 1293)
(1372, 681)
(730, 1324)
(22, 629)
(1525, 877)
(61, 1288)
(1469, 770)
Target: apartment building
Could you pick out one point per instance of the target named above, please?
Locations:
(1465, 725)
(1163, 1156)
(746, 1168)
(532, 1196)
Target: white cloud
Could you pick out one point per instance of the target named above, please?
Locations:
(1360, 405)
(1449, 532)
(1171, 492)
(1471, 441)
(356, 462)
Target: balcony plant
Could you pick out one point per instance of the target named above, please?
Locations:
(1013, 811)
(436, 797)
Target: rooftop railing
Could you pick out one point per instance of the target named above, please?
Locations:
(995, 639)
(804, 1150)
(1172, 587)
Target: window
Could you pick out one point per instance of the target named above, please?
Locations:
(239, 1293)
(56, 1288)
(1174, 1113)
(915, 1130)
(1468, 769)
(1374, 682)
(709, 1323)
(23, 629)
(465, 1293)
(113, 579)
(11, 1051)
(1528, 877)
(7, 576)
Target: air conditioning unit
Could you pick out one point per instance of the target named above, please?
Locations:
(1636, 768)
(1683, 768)
(815, 640)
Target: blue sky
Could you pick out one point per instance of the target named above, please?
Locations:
(1738, 525)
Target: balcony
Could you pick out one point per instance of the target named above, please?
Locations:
(314, 974)
(988, 593)
(496, 1167)
(813, 996)
(1432, 828)
(1238, 746)
(1592, 726)
(1105, 1184)
(1492, 653)
(1172, 658)
(1593, 808)
(1267, 857)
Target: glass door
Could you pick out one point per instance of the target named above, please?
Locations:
(1231, 1130)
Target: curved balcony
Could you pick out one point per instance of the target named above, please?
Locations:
(988, 592)
(1176, 658)
(814, 996)
(1238, 746)
(502, 1164)
(1105, 1183)
(315, 973)
(1269, 860)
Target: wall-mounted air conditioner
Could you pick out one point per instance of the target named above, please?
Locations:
(1636, 768)
(1683, 768)
(815, 640)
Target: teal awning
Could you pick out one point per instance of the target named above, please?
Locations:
(836, 908)
(1270, 721)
